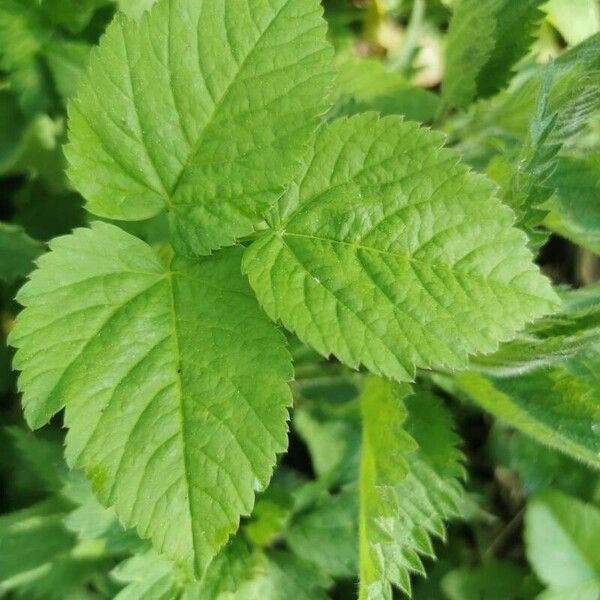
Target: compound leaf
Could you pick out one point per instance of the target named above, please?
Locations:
(172, 378)
(201, 109)
(387, 252)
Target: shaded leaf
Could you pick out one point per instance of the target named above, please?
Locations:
(558, 406)
(561, 538)
(470, 42)
(17, 253)
(326, 535)
(574, 209)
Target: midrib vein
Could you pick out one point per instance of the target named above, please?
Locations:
(219, 103)
(182, 418)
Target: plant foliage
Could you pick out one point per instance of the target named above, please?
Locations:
(304, 285)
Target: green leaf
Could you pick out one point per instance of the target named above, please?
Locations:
(36, 153)
(73, 15)
(201, 109)
(386, 251)
(69, 576)
(538, 466)
(281, 576)
(23, 34)
(409, 474)
(469, 45)
(237, 572)
(326, 535)
(135, 8)
(17, 252)
(67, 60)
(12, 124)
(37, 55)
(172, 378)
(45, 215)
(496, 580)
(574, 209)
(514, 32)
(383, 465)
(6, 374)
(40, 559)
(245, 574)
(558, 406)
(547, 109)
(41, 457)
(89, 520)
(332, 435)
(366, 84)
(30, 538)
(574, 96)
(557, 122)
(562, 540)
(147, 576)
(232, 567)
(528, 189)
(270, 517)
